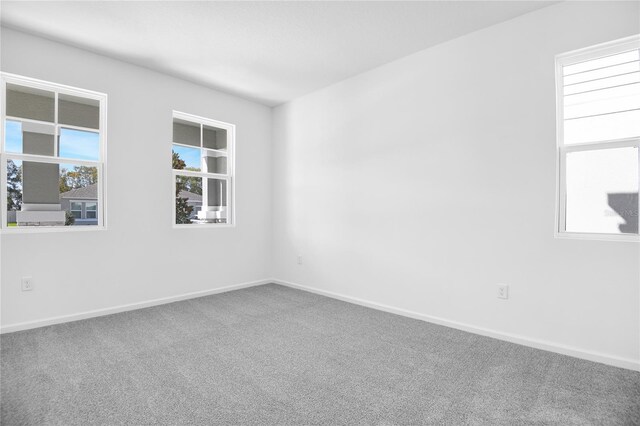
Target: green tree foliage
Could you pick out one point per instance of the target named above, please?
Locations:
(14, 186)
(79, 177)
(69, 219)
(183, 210)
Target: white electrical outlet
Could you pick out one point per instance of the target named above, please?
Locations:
(299, 259)
(27, 283)
(503, 291)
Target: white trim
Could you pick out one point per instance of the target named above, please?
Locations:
(3, 164)
(629, 238)
(204, 175)
(196, 119)
(51, 160)
(78, 128)
(7, 230)
(51, 87)
(222, 153)
(593, 146)
(184, 145)
(573, 351)
(604, 49)
(123, 308)
(202, 225)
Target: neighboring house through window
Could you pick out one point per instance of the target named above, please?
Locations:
(82, 203)
(53, 145)
(598, 141)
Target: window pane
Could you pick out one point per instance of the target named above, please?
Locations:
(186, 132)
(214, 138)
(215, 162)
(30, 138)
(76, 111)
(603, 101)
(602, 127)
(13, 136)
(185, 158)
(26, 102)
(214, 202)
(605, 83)
(188, 199)
(606, 61)
(79, 144)
(600, 73)
(41, 194)
(79, 183)
(602, 191)
(14, 190)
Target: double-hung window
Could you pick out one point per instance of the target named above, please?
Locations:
(598, 96)
(52, 151)
(202, 163)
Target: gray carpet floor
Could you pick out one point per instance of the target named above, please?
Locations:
(274, 355)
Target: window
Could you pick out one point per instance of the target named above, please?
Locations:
(52, 153)
(91, 210)
(598, 111)
(202, 162)
(83, 212)
(76, 210)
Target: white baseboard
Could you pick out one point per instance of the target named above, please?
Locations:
(615, 361)
(122, 308)
(627, 363)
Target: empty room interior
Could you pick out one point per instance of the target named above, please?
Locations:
(320, 212)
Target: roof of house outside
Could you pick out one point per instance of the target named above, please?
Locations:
(88, 192)
(193, 197)
(91, 193)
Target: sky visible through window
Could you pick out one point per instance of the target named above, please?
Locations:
(191, 156)
(13, 136)
(79, 144)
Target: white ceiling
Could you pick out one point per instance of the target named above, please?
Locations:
(267, 51)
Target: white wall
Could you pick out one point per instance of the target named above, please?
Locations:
(140, 257)
(423, 183)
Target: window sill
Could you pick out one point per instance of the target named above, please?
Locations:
(50, 229)
(628, 238)
(207, 225)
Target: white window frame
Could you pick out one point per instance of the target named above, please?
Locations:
(57, 89)
(562, 60)
(229, 176)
